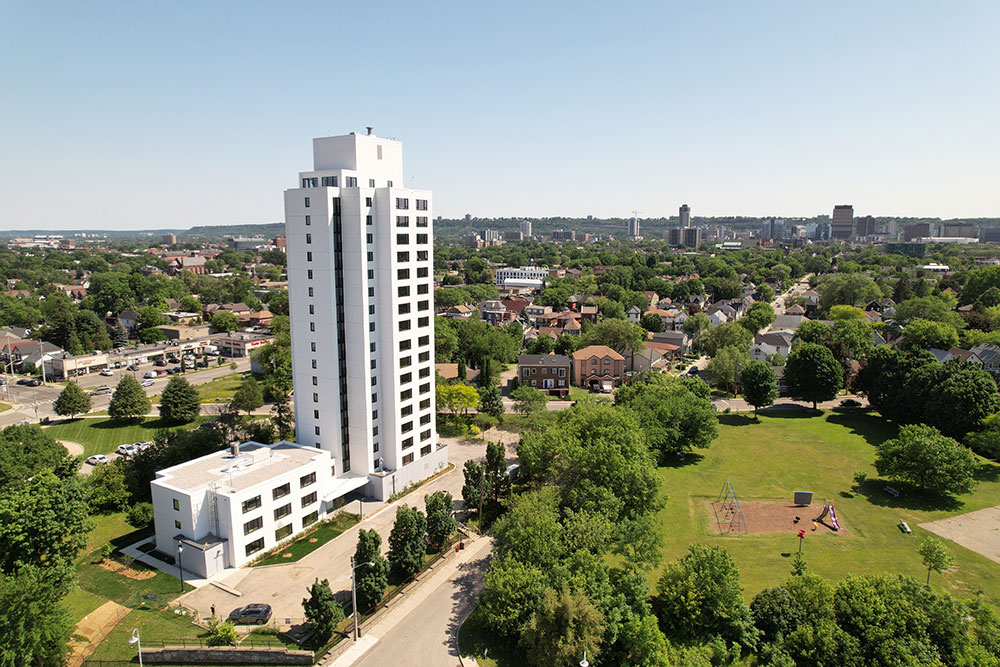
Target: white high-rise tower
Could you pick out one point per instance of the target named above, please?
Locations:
(360, 287)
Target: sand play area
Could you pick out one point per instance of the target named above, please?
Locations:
(978, 531)
(772, 516)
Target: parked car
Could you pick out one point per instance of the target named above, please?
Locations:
(147, 383)
(174, 360)
(97, 459)
(149, 374)
(252, 613)
(161, 372)
(850, 403)
(133, 367)
(160, 362)
(101, 391)
(33, 382)
(107, 372)
(143, 446)
(203, 363)
(127, 450)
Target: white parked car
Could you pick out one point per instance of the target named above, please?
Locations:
(149, 374)
(147, 383)
(96, 459)
(143, 446)
(127, 450)
(107, 372)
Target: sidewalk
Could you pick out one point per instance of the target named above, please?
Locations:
(410, 600)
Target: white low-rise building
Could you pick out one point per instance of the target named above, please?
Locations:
(228, 507)
(523, 276)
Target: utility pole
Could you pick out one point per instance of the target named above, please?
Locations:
(41, 361)
(354, 599)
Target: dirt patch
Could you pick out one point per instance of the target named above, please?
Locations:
(763, 517)
(126, 571)
(978, 531)
(92, 630)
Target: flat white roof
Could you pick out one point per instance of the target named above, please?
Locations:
(256, 463)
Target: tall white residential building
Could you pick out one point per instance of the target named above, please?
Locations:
(360, 287)
(526, 228)
(633, 228)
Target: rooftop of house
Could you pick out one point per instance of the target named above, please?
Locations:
(256, 463)
(597, 351)
(542, 360)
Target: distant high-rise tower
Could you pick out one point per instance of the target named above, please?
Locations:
(685, 216)
(865, 226)
(674, 235)
(691, 237)
(360, 287)
(843, 222)
(526, 228)
(633, 228)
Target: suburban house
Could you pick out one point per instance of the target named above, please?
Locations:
(460, 312)
(223, 509)
(495, 313)
(548, 372)
(598, 367)
(789, 322)
(534, 312)
(718, 318)
(633, 314)
(678, 338)
(128, 319)
(24, 352)
(989, 355)
(772, 342)
(653, 355)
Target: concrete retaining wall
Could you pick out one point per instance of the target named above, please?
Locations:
(225, 655)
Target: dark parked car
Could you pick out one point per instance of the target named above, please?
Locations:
(33, 382)
(850, 403)
(160, 362)
(252, 613)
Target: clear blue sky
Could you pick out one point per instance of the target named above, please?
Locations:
(130, 115)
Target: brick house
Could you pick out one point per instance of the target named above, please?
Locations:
(548, 372)
(598, 367)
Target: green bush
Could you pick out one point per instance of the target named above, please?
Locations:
(860, 476)
(221, 633)
(140, 515)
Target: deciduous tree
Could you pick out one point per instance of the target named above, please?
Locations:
(440, 523)
(925, 458)
(406, 542)
(372, 573)
(812, 373)
(935, 556)
(322, 610)
(759, 384)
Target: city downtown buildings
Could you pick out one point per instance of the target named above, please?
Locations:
(360, 284)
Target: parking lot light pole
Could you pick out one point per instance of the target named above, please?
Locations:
(354, 593)
(180, 564)
(135, 640)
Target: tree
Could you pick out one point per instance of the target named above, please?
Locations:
(923, 334)
(129, 402)
(37, 625)
(987, 441)
(851, 289)
(513, 591)
(248, 396)
(759, 384)
(180, 402)
(696, 325)
(726, 365)
(119, 335)
(282, 417)
(456, 397)
(528, 400)
(72, 401)
(372, 573)
(440, 522)
(224, 320)
(473, 491)
(541, 345)
(757, 317)
(730, 334)
(618, 334)
(322, 610)
(406, 542)
(490, 401)
(140, 515)
(700, 596)
(566, 344)
(651, 322)
(923, 457)
(812, 373)
(222, 633)
(565, 625)
(935, 556)
(843, 313)
(108, 487)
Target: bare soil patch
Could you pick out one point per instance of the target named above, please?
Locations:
(126, 571)
(763, 516)
(978, 531)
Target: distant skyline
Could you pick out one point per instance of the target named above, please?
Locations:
(141, 116)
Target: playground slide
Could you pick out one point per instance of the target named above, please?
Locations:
(833, 518)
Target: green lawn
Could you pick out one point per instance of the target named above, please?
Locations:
(218, 390)
(789, 451)
(4, 407)
(102, 436)
(311, 541)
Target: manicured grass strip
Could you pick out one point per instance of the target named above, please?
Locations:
(4, 407)
(102, 436)
(309, 542)
(218, 390)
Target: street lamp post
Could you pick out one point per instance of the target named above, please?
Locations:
(135, 640)
(584, 663)
(180, 564)
(354, 593)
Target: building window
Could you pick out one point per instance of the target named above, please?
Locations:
(424, 340)
(421, 221)
(369, 238)
(402, 203)
(402, 221)
(422, 256)
(252, 525)
(177, 524)
(315, 398)
(403, 274)
(403, 290)
(371, 346)
(406, 411)
(404, 345)
(177, 505)
(255, 546)
(423, 321)
(306, 480)
(404, 325)
(402, 239)
(368, 220)
(310, 518)
(372, 364)
(425, 388)
(406, 394)
(405, 377)
(407, 427)
(312, 345)
(374, 380)
(426, 435)
(371, 309)
(282, 511)
(309, 500)
(281, 491)
(424, 451)
(307, 202)
(371, 292)
(425, 420)
(408, 459)
(308, 182)
(371, 182)
(308, 220)
(371, 274)
(312, 309)
(421, 204)
(315, 414)
(421, 238)
(316, 429)
(283, 532)
(423, 305)
(422, 287)
(403, 256)
(309, 256)
(315, 380)
(425, 403)
(371, 326)
(374, 414)
(351, 181)
(371, 257)
(330, 181)
(309, 275)
(404, 308)
(405, 361)
(312, 326)
(374, 398)
(310, 291)
(374, 431)
(251, 504)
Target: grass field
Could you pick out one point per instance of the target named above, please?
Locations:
(102, 436)
(4, 407)
(792, 451)
(309, 542)
(218, 390)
